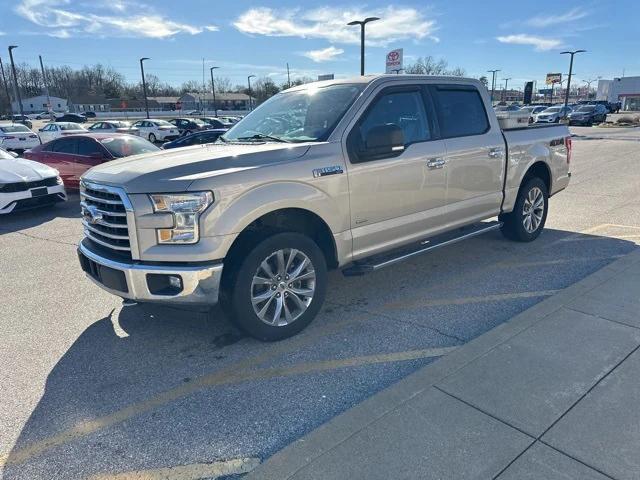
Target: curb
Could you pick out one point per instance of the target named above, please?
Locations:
(309, 448)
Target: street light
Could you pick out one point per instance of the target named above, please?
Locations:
(213, 91)
(249, 82)
(362, 23)
(15, 80)
(566, 93)
(493, 82)
(506, 82)
(144, 85)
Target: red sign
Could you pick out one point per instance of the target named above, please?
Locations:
(123, 104)
(179, 105)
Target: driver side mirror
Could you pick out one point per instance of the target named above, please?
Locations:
(383, 141)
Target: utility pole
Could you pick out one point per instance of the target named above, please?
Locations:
(6, 87)
(46, 86)
(504, 92)
(362, 23)
(213, 92)
(249, 82)
(144, 85)
(566, 94)
(288, 77)
(15, 79)
(493, 82)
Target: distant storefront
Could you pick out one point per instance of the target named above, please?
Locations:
(41, 103)
(625, 90)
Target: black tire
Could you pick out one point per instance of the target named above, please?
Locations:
(513, 226)
(152, 138)
(237, 290)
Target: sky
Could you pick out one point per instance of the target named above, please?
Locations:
(522, 39)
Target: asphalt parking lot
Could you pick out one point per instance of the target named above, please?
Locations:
(94, 390)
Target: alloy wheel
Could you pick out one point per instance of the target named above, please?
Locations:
(283, 287)
(533, 210)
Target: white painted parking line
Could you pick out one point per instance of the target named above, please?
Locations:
(195, 471)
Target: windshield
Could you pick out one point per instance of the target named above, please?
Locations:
(14, 128)
(162, 123)
(70, 126)
(590, 108)
(299, 116)
(552, 110)
(125, 146)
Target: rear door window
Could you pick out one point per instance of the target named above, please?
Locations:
(87, 146)
(67, 145)
(460, 111)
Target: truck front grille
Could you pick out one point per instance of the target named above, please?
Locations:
(105, 217)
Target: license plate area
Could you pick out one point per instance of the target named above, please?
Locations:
(39, 192)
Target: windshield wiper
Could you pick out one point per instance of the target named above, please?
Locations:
(261, 136)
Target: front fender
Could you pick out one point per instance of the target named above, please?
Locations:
(232, 217)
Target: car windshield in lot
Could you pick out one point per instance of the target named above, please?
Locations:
(127, 145)
(162, 123)
(70, 126)
(13, 128)
(303, 115)
(552, 110)
(587, 108)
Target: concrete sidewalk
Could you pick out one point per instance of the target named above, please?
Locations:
(552, 394)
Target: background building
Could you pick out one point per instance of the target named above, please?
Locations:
(625, 90)
(224, 101)
(39, 104)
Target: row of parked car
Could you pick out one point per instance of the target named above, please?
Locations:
(577, 114)
(56, 156)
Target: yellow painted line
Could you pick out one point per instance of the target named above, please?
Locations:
(195, 471)
(558, 261)
(234, 376)
(219, 377)
(466, 300)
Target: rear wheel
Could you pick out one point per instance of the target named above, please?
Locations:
(279, 287)
(529, 214)
(152, 138)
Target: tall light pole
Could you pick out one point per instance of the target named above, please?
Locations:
(6, 87)
(506, 82)
(566, 93)
(144, 85)
(46, 86)
(362, 23)
(493, 82)
(249, 82)
(213, 91)
(15, 79)
(589, 82)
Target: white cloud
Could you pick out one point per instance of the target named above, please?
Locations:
(323, 55)
(539, 43)
(330, 23)
(211, 28)
(58, 19)
(542, 21)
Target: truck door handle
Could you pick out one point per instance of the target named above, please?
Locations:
(436, 163)
(496, 152)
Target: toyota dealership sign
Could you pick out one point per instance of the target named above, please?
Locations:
(394, 61)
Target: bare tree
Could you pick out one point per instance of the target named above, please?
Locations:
(429, 66)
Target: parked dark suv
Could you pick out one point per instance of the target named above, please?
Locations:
(588, 115)
(72, 117)
(189, 125)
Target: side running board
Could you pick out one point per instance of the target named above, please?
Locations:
(376, 262)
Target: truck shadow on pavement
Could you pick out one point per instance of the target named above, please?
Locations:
(109, 400)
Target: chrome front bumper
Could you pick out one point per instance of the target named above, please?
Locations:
(200, 284)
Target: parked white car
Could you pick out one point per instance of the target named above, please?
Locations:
(58, 129)
(552, 114)
(27, 184)
(114, 126)
(157, 130)
(15, 136)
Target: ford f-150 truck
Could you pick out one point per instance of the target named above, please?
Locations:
(353, 174)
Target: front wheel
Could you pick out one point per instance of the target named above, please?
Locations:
(152, 138)
(278, 288)
(529, 214)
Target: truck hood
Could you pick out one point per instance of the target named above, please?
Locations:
(22, 170)
(174, 170)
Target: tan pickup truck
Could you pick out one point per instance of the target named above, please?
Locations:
(353, 174)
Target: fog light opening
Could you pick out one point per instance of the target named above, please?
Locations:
(164, 284)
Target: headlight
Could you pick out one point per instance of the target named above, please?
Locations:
(186, 209)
